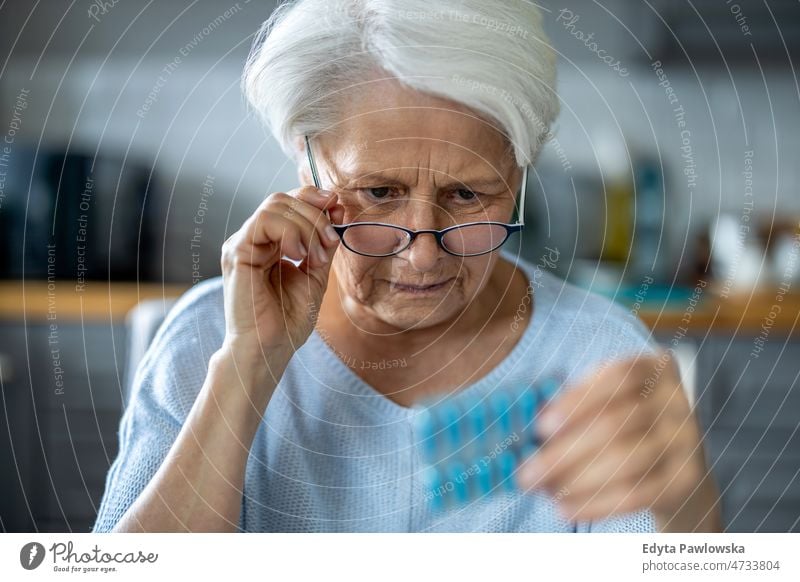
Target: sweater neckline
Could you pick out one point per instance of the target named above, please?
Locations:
(355, 386)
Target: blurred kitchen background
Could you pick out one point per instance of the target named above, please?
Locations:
(671, 184)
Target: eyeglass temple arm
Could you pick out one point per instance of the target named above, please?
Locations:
(311, 163)
(524, 188)
(313, 167)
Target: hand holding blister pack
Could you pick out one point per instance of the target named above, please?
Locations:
(471, 445)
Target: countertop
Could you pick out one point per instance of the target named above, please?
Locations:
(101, 301)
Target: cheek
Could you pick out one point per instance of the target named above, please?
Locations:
(356, 275)
(475, 274)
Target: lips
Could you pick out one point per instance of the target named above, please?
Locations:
(398, 286)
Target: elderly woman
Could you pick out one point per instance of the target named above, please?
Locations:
(280, 397)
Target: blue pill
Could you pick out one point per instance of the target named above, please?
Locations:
(425, 430)
(475, 410)
(451, 417)
(507, 463)
(434, 488)
(501, 409)
(473, 444)
(461, 481)
(484, 480)
(528, 401)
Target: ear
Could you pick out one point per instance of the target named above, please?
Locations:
(304, 176)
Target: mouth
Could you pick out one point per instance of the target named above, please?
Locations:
(417, 289)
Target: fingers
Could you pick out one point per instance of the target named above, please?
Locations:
(618, 383)
(263, 239)
(285, 225)
(311, 204)
(324, 200)
(563, 457)
(317, 203)
(596, 481)
(614, 498)
(615, 450)
(621, 494)
(618, 465)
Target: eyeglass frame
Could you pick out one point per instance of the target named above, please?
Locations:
(438, 234)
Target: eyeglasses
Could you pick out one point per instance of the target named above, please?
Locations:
(380, 239)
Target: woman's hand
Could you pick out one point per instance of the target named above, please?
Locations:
(625, 439)
(270, 310)
(271, 305)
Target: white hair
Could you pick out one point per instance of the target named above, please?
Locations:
(489, 55)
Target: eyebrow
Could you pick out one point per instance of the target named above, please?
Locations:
(378, 176)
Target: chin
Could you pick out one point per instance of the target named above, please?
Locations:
(416, 317)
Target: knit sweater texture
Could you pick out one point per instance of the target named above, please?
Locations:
(332, 453)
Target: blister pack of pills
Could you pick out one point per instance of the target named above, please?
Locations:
(471, 445)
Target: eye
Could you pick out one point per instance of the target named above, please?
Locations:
(381, 192)
(466, 194)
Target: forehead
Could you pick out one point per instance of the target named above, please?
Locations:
(385, 122)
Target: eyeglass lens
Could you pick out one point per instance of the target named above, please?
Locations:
(384, 240)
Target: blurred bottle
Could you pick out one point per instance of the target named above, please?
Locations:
(612, 157)
(737, 256)
(649, 217)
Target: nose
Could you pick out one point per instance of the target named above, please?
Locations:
(424, 252)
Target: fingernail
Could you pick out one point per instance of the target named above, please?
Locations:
(331, 233)
(323, 256)
(326, 193)
(303, 250)
(548, 423)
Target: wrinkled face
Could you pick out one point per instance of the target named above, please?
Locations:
(410, 159)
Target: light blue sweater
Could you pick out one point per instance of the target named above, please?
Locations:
(333, 454)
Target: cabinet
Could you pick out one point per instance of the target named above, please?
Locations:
(750, 408)
(61, 403)
(61, 397)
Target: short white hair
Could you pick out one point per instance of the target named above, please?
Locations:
(489, 55)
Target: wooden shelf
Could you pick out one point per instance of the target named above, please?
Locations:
(103, 301)
(34, 301)
(743, 314)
